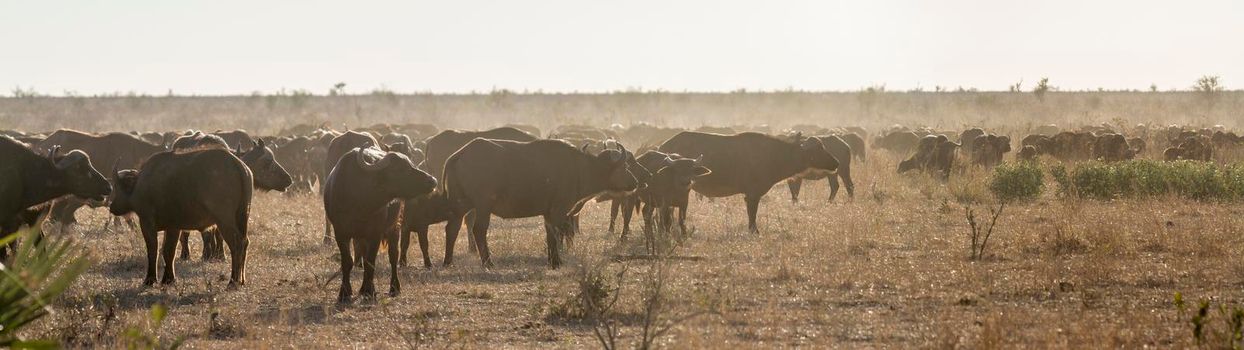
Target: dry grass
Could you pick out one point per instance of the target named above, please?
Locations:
(889, 269)
(1004, 112)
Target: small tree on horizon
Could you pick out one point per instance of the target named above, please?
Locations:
(1208, 87)
(1043, 86)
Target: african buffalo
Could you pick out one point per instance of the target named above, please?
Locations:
(934, 153)
(1110, 147)
(445, 143)
(988, 149)
(968, 139)
(363, 199)
(341, 145)
(900, 142)
(841, 151)
(175, 191)
(109, 150)
(667, 188)
(512, 179)
(749, 163)
(28, 179)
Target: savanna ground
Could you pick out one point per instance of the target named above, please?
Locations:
(887, 269)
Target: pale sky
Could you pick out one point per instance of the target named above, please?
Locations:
(236, 47)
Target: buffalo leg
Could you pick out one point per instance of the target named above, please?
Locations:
(470, 228)
(481, 238)
(753, 205)
(794, 184)
(395, 287)
(846, 180)
(553, 225)
(422, 232)
(238, 242)
(451, 236)
(613, 212)
(682, 220)
(184, 237)
(833, 186)
(404, 238)
(218, 248)
(151, 240)
(368, 289)
(649, 229)
(169, 253)
(347, 264)
(627, 212)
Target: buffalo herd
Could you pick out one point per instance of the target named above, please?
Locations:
(381, 183)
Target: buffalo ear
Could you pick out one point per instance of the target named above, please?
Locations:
(700, 171)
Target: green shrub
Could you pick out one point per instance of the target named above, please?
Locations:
(40, 270)
(1017, 181)
(1202, 181)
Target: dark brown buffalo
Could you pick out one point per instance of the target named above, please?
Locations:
(235, 138)
(900, 142)
(1041, 144)
(841, 151)
(28, 179)
(267, 172)
(421, 212)
(749, 163)
(511, 179)
(363, 199)
(445, 143)
(177, 191)
(856, 141)
(339, 146)
(106, 151)
(318, 154)
(295, 156)
(1070, 146)
(968, 140)
(1137, 144)
(1028, 153)
(198, 139)
(667, 188)
(1193, 148)
(934, 154)
(1110, 147)
(988, 149)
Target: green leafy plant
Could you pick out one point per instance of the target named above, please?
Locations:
(39, 272)
(1021, 181)
(1202, 181)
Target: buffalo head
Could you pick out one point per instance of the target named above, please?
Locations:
(123, 183)
(683, 171)
(614, 165)
(394, 173)
(75, 174)
(814, 155)
(269, 175)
